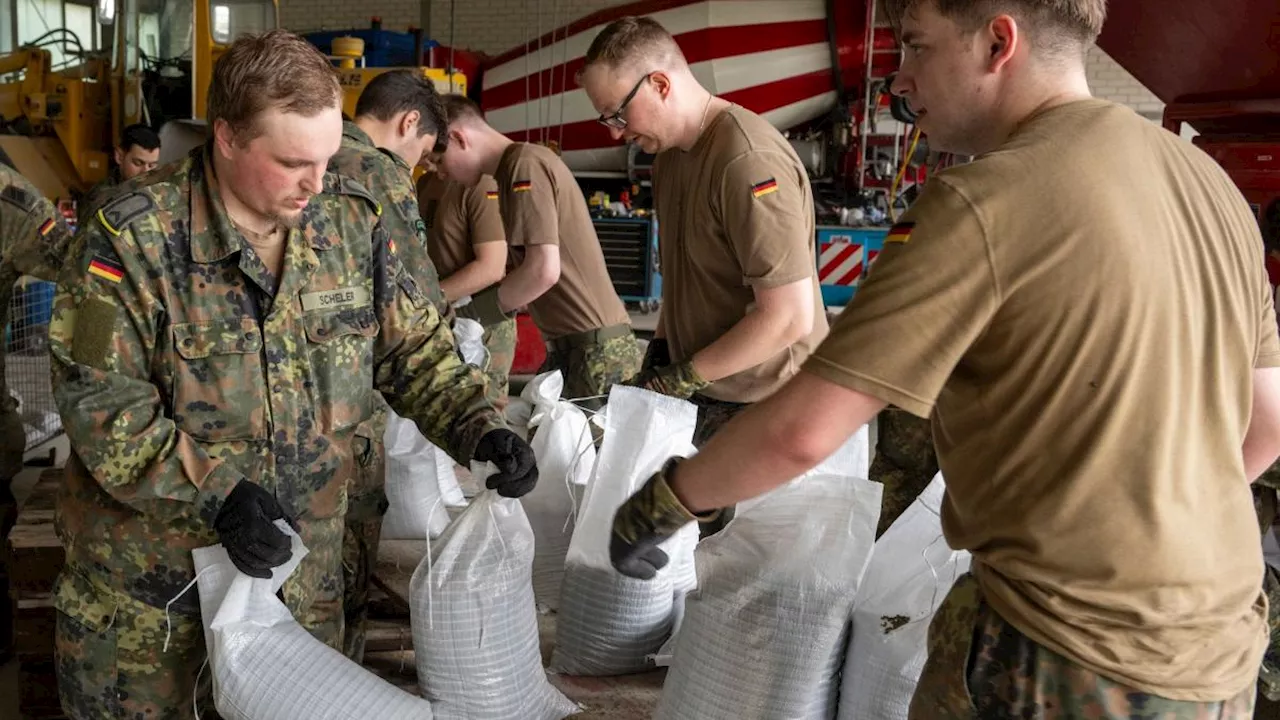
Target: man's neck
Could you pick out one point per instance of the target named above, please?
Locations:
(1054, 87)
(494, 145)
(697, 112)
(381, 135)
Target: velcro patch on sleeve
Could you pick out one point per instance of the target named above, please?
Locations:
(95, 325)
(900, 233)
(522, 186)
(18, 196)
(116, 215)
(761, 189)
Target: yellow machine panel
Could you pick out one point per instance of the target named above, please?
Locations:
(353, 81)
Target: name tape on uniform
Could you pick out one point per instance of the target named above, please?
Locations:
(900, 233)
(332, 299)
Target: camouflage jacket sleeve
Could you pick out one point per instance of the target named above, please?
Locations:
(404, 223)
(107, 317)
(418, 369)
(37, 235)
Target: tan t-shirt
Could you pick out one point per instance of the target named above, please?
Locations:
(735, 214)
(543, 205)
(1081, 311)
(462, 218)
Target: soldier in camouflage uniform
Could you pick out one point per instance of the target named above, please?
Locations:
(218, 336)
(398, 118)
(33, 242)
(138, 153)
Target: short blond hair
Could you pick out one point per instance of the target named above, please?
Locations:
(1051, 22)
(639, 42)
(275, 69)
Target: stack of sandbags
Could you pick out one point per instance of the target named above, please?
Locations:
(765, 633)
(566, 455)
(610, 624)
(475, 629)
(266, 666)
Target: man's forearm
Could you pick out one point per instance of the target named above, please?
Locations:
(522, 286)
(757, 337)
(773, 442)
(471, 279)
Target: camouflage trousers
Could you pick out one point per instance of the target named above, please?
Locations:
(905, 462)
(366, 505)
(593, 362)
(712, 415)
(1266, 503)
(110, 648)
(981, 668)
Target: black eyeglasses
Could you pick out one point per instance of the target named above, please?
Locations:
(615, 119)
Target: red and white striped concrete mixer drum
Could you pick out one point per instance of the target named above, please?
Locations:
(775, 58)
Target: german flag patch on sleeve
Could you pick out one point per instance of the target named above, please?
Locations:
(761, 189)
(47, 227)
(900, 233)
(106, 268)
(491, 195)
(521, 186)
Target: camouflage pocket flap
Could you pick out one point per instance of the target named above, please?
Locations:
(83, 601)
(325, 326)
(240, 336)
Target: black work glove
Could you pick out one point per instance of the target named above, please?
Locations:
(245, 525)
(650, 517)
(517, 470)
(656, 355)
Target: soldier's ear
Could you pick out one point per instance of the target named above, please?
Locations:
(409, 123)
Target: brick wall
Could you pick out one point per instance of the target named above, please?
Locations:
(491, 26)
(1110, 81)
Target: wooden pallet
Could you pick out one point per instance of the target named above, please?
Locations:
(35, 557)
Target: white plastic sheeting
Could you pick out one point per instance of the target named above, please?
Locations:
(469, 335)
(475, 629)
(266, 666)
(610, 624)
(765, 633)
(566, 455)
(912, 569)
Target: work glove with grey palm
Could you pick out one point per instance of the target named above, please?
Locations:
(678, 380)
(246, 527)
(486, 308)
(517, 470)
(647, 519)
(657, 354)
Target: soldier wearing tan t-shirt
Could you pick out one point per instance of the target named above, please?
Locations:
(1084, 314)
(557, 267)
(741, 307)
(469, 249)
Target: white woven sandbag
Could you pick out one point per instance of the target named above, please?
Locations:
(764, 634)
(469, 335)
(415, 508)
(610, 624)
(475, 629)
(265, 666)
(566, 455)
(911, 571)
